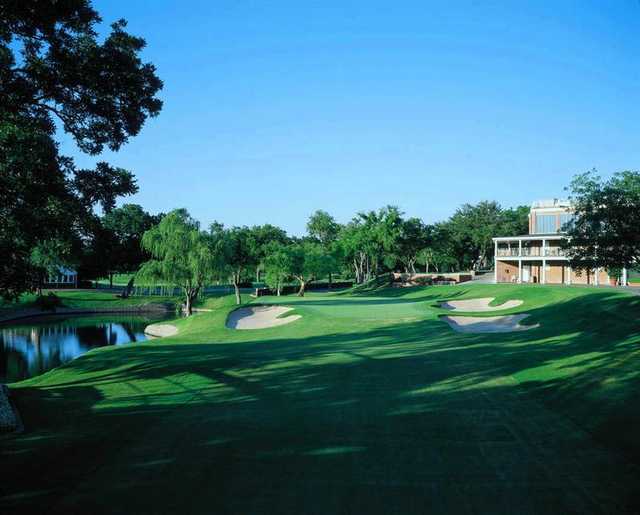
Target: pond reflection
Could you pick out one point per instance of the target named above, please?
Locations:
(30, 348)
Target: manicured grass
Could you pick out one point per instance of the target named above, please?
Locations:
(87, 300)
(368, 404)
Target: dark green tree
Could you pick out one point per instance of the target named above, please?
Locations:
(182, 255)
(605, 230)
(324, 228)
(239, 253)
(125, 227)
(56, 72)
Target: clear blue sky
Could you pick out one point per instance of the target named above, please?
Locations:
(275, 109)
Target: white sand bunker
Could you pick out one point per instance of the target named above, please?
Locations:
(498, 324)
(478, 305)
(160, 330)
(259, 317)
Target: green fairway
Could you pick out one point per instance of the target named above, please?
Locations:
(367, 404)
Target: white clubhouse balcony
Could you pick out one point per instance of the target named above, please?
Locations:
(530, 247)
(541, 258)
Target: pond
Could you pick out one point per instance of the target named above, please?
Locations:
(31, 347)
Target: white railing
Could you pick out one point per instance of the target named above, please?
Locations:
(532, 252)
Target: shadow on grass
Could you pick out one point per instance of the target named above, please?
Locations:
(405, 418)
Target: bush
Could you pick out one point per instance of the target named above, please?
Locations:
(48, 302)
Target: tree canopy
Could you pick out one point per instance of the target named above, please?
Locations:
(604, 231)
(56, 72)
(182, 255)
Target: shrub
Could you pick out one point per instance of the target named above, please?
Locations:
(48, 302)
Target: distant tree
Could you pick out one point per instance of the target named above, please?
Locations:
(308, 262)
(259, 238)
(472, 228)
(323, 227)
(371, 242)
(240, 255)
(124, 228)
(182, 255)
(605, 230)
(277, 265)
(414, 238)
(514, 221)
(56, 72)
(48, 257)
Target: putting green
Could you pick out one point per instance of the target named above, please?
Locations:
(367, 404)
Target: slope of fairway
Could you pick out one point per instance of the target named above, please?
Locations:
(367, 404)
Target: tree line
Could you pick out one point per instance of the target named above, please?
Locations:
(375, 242)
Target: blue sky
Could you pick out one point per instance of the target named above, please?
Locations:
(276, 109)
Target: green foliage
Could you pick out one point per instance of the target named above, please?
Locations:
(48, 256)
(277, 265)
(604, 232)
(323, 227)
(471, 228)
(56, 72)
(118, 243)
(182, 255)
(49, 302)
(309, 261)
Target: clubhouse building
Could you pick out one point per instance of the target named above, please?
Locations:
(538, 257)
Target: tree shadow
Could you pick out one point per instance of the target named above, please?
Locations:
(404, 418)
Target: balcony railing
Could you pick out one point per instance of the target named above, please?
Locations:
(531, 252)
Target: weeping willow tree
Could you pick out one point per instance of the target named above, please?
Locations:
(182, 255)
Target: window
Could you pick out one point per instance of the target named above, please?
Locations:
(546, 224)
(565, 220)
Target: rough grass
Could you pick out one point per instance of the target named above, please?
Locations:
(368, 404)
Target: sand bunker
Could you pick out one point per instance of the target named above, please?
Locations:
(478, 305)
(259, 317)
(160, 330)
(499, 324)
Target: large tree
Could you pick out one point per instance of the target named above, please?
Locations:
(371, 242)
(259, 237)
(324, 228)
(308, 262)
(414, 238)
(125, 226)
(182, 255)
(56, 72)
(472, 227)
(240, 253)
(605, 229)
(277, 265)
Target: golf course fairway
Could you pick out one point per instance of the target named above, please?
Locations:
(369, 403)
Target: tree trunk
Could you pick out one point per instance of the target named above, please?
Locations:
(236, 286)
(237, 291)
(302, 287)
(329, 287)
(191, 296)
(279, 289)
(188, 306)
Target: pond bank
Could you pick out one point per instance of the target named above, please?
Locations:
(36, 312)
